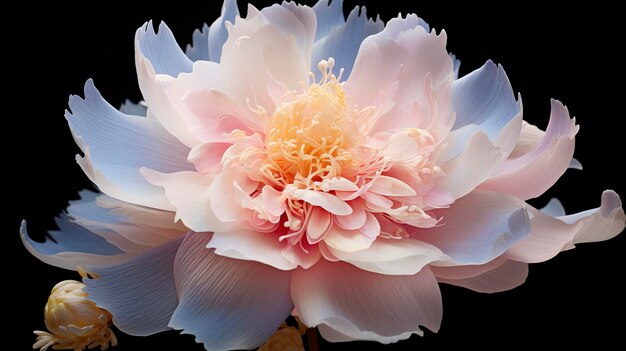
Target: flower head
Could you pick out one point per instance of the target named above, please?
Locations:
(73, 321)
(299, 161)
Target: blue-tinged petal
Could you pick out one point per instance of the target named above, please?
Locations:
(74, 238)
(218, 34)
(135, 109)
(478, 228)
(529, 175)
(227, 304)
(456, 65)
(199, 47)
(329, 15)
(162, 50)
(483, 101)
(117, 145)
(343, 42)
(141, 293)
(554, 208)
(72, 246)
(130, 227)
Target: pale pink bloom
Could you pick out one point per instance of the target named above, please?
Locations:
(295, 162)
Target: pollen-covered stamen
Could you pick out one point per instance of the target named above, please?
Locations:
(309, 135)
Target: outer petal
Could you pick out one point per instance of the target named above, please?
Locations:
(208, 41)
(478, 228)
(158, 60)
(550, 235)
(531, 174)
(199, 47)
(227, 304)
(392, 256)
(117, 145)
(483, 101)
(329, 15)
(342, 41)
(140, 293)
(73, 246)
(496, 276)
(130, 227)
(349, 303)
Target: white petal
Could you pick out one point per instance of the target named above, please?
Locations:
(362, 305)
(393, 256)
(501, 277)
(550, 235)
(347, 240)
(478, 228)
(476, 163)
(259, 52)
(329, 202)
(116, 146)
(227, 304)
(140, 293)
(531, 174)
(189, 193)
(406, 67)
(252, 246)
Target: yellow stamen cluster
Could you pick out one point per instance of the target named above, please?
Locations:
(309, 135)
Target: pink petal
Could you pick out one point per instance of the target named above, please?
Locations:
(371, 227)
(550, 235)
(495, 276)
(347, 240)
(388, 186)
(318, 225)
(531, 174)
(355, 220)
(392, 256)
(329, 202)
(252, 246)
(344, 300)
(207, 157)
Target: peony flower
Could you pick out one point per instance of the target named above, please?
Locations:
(74, 322)
(297, 162)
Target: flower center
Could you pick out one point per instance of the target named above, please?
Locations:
(309, 135)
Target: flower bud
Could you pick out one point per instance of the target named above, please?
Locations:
(73, 321)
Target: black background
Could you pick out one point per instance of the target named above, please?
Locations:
(567, 53)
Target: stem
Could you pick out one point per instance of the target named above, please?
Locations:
(312, 339)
